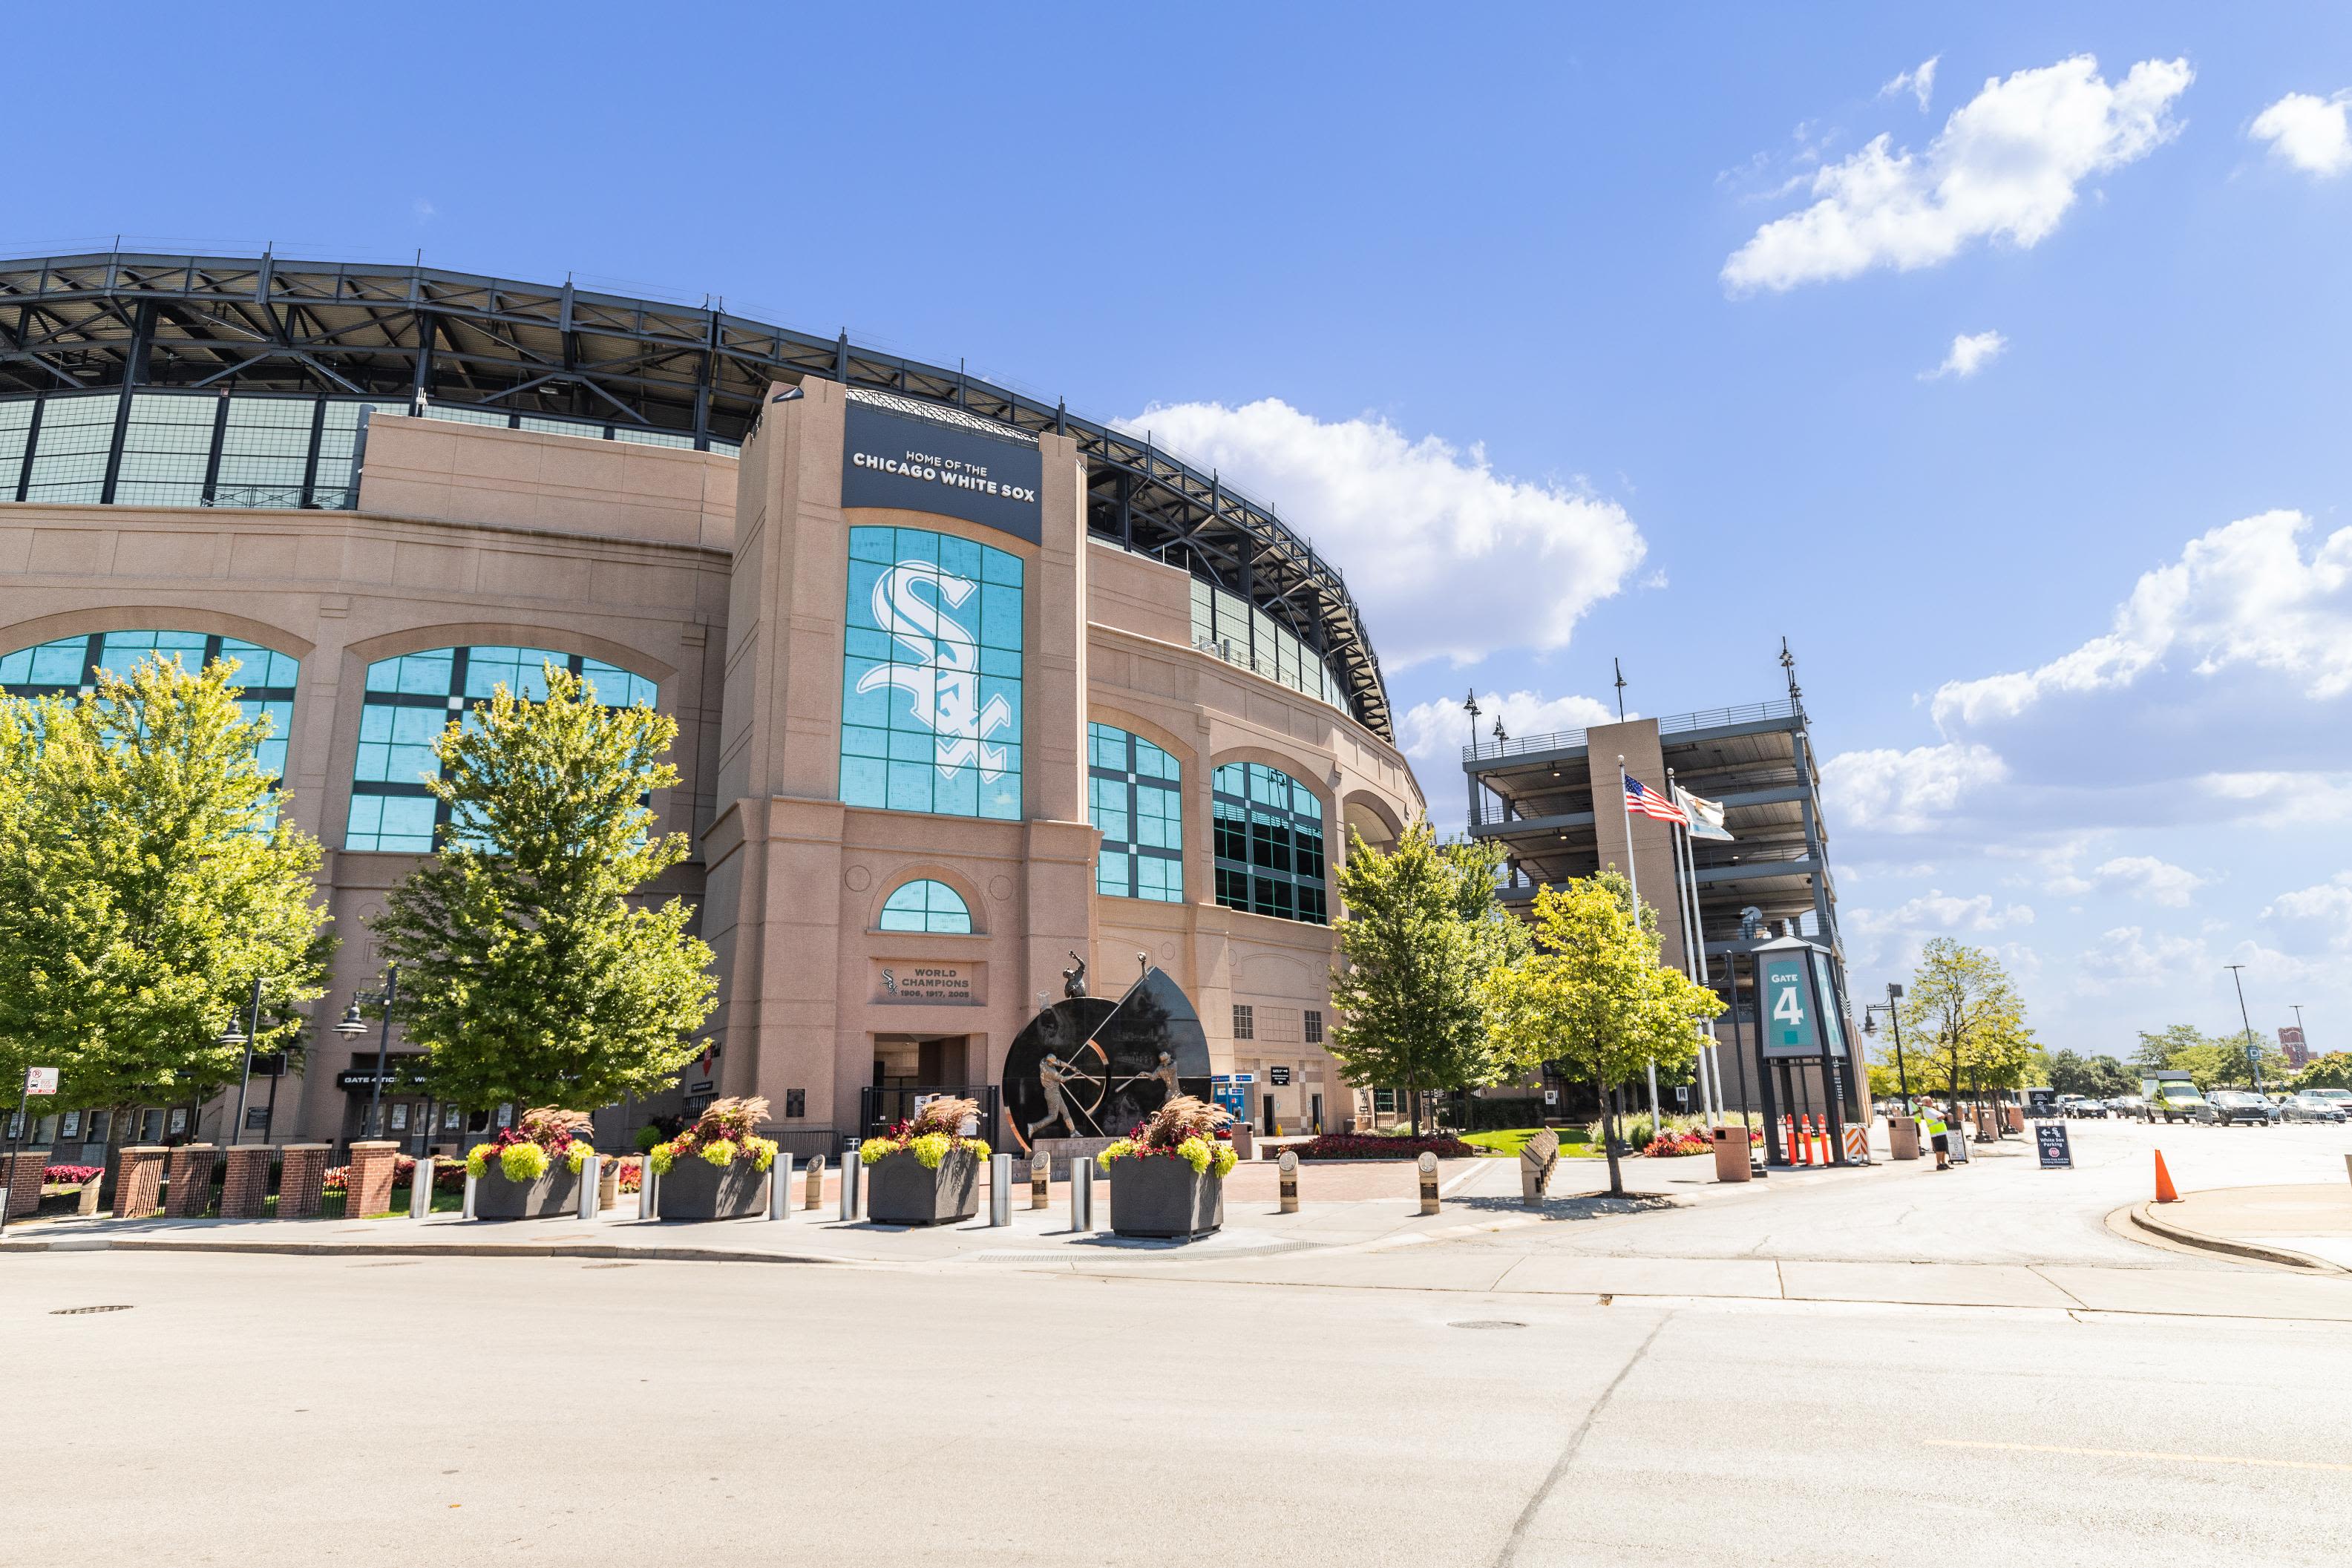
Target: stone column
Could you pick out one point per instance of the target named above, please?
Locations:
(138, 1180)
(299, 1178)
(244, 1192)
(191, 1181)
(20, 1177)
(367, 1187)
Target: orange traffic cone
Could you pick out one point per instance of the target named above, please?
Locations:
(2165, 1192)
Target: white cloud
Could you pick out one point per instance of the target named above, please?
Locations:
(1920, 82)
(1938, 912)
(2329, 902)
(2311, 133)
(1971, 351)
(1443, 554)
(2243, 595)
(1440, 728)
(2129, 955)
(2006, 166)
(2145, 876)
(2278, 799)
(1905, 791)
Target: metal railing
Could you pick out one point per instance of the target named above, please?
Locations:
(1675, 723)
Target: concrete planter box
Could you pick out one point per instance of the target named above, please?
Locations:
(556, 1193)
(900, 1191)
(1159, 1195)
(694, 1189)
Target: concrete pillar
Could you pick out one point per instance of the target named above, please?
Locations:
(138, 1180)
(245, 1189)
(301, 1175)
(20, 1178)
(191, 1181)
(367, 1187)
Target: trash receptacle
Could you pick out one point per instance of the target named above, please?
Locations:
(1903, 1137)
(2015, 1116)
(1731, 1163)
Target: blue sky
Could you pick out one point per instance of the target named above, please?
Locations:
(1570, 335)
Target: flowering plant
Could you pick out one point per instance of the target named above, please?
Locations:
(1368, 1146)
(540, 1138)
(727, 1131)
(71, 1175)
(930, 1132)
(1666, 1144)
(1185, 1128)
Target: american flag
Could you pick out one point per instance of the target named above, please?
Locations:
(1650, 803)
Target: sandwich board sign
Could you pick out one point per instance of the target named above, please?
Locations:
(2050, 1141)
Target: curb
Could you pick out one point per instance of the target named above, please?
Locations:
(2204, 1243)
(443, 1250)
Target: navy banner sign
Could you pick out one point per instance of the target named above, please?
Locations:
(898, 460)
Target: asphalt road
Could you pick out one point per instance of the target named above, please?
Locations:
(303, 1410)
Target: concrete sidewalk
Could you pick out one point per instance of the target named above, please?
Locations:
(2306, 1226)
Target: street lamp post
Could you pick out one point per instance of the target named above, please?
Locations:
(1470, 707)
(2254, 1063)
(1895, 1019)
(231, 1037)
(2297, 1009)
(351, 1026)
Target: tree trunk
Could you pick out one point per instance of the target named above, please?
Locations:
(1608, 1139)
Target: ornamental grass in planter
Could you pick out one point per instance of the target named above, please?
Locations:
(532, 1170)
(1168, 1177)
(926, 1171)
(719, 1167)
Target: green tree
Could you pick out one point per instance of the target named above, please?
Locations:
(148, 876)
(1421, 930)
(526, 973)
(2212, 1061)
(1592, 996)
(1964, 1017)
(2333, 1071)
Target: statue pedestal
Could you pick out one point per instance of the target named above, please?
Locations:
(1060, 1151)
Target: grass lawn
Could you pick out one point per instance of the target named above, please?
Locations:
(1511, 1140)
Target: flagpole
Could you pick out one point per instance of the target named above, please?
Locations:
(1633, 886)
(1686, 906)
(1687, 874)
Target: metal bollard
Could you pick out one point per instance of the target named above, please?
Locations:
(1288, 1167)
(1000, 1190)
(851, 1169)
(816, 1192)
(470, 1179)
(1082, 1194)
(1428, 1164)
(780, 1185)
(591, 1176)
(647, 1206)
(1040, 1180)
(420, 1188)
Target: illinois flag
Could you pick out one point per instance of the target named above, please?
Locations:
(1705, 817)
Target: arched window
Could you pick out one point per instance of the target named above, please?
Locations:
(71, 664)
(926, 905)
(410, 700)
(1269, 843)
(1135, 797)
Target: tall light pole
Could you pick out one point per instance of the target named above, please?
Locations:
(2254, 1063)
(352, 1026)
(231, 1037)
(1894, 1012)
(1470, 707)
(2297, 1009)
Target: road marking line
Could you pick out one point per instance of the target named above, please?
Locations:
(2138, 1454)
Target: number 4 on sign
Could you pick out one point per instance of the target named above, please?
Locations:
(1786, 1010)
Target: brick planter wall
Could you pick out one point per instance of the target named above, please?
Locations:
(22, 1180)
(138, 1180)
(245, 1190)
(369, 1187)
(300, 1180)
(191, 1181)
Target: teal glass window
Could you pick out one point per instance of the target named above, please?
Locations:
(1135, 798)
(1269, 842)
(71, 664)
(926, 905)
(411, 699)
(931, 688)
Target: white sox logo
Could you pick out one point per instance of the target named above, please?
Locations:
(943, 687)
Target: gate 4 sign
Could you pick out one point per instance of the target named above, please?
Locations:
(1790, 1027)
(2050, 1141)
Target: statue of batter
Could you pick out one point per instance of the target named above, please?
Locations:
(1074, 981)
(1165, 1075)
(1053, 1074)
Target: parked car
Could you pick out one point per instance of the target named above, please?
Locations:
(2130, 1105)
(2172, 1096)
(2075, 1105)
(2311, 1106)
(2339, 1098)
(2227, 1107)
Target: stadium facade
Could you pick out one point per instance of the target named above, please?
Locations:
(965, 684)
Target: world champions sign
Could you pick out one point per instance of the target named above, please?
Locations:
(890, 459)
